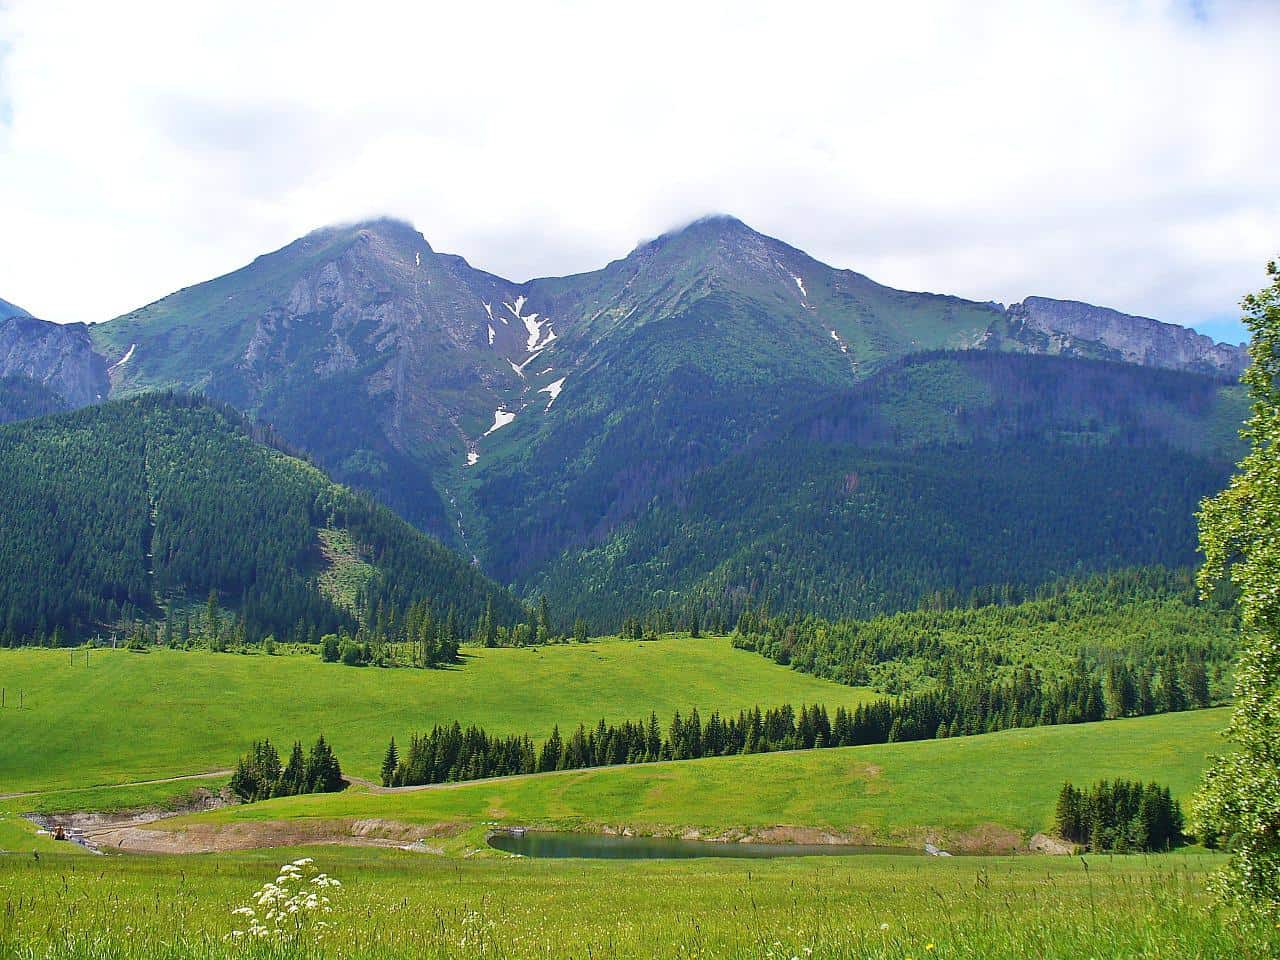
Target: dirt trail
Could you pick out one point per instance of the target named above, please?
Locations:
(111, 786)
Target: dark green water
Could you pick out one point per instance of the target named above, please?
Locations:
(596, 846)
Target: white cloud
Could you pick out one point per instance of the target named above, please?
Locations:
(1119, 153)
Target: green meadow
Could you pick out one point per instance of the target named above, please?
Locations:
(139, 716)
(87, 734)
(401, 905)
(977, 791)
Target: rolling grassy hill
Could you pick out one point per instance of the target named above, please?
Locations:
(130, 716)
(986, 792)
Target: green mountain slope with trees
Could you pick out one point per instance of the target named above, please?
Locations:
(119, 512)
(585, 436)
(944, 473)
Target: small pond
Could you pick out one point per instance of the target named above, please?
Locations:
(596, 846)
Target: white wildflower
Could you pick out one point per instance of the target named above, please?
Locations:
(293, 905)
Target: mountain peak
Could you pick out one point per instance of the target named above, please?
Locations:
(391, 229)
(8, 310)
(713, 226)
(719, 236)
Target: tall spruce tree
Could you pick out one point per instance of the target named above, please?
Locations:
(1240, 537)
(389, 763)
(294, 778)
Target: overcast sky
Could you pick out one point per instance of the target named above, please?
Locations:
(1126, 153)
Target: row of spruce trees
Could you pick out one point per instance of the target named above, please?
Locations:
(452, 753)
(259, 774)
(1121, 816)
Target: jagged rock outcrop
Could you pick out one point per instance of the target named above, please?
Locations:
(1140, 340)
(58, 356)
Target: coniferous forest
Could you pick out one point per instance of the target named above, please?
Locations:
(1119, 817)
(1142, 634)
(1028, 699)
(259, 774)
(137, 508)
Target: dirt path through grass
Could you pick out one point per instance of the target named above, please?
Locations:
(131, 783)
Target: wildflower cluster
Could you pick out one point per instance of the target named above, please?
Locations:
(284, 909)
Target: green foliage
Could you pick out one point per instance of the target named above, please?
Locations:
(943, 474)
(1240, 536)
(22, 397)
(955, 788)
(1119, 817)
(1131, 631)
(450, 753)
(260, 776)
(115, 510)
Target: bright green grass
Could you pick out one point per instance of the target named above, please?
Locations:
(890, 792)
(172, 795)
(130, 716)
(398, 905)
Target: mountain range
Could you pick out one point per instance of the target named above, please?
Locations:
(714, 416)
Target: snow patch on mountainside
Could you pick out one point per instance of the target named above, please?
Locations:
(554, 389)
(473, 457)
(520, 369)
(490, 335)
(500, 419)
(123, 360)
(844, 347)
(532, 325)
(804, 294)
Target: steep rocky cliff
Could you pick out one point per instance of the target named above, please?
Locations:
(60, 357)
(1141, 340)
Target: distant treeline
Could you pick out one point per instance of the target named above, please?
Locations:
(450, 753)
(1119, 816)
(260, 776)
(1142, 635)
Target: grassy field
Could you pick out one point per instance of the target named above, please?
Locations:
(128, 716)
(982, 792)
(395, 905)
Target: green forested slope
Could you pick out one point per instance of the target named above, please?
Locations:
(22, 398)
(1134, 623)
(114, 511)
(948, 472)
